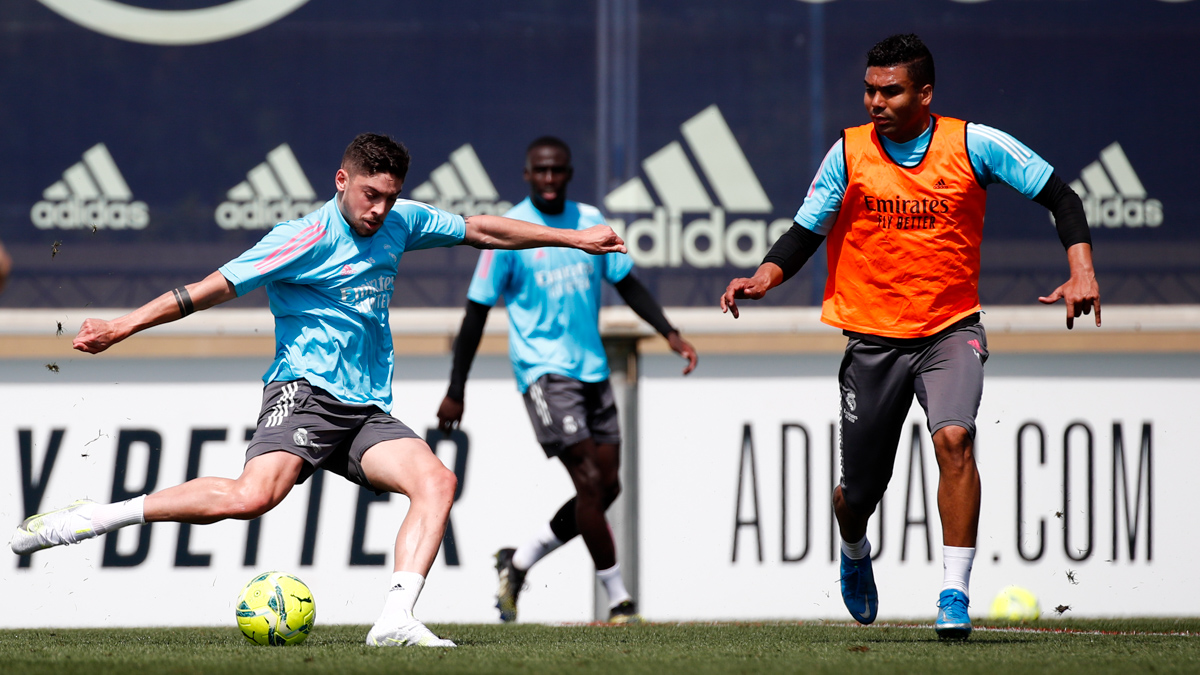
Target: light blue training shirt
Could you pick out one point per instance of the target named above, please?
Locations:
(329, 290)
(996, 157)
(553, 298)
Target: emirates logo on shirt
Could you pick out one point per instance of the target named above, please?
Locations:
(905, 214)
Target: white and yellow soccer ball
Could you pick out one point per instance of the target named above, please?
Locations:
(1015, 604)
(276, 608)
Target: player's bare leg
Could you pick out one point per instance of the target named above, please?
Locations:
(409, 467)
(264, 482)
(958, 487)
(851, 524)
(595, 470)
(958, 502)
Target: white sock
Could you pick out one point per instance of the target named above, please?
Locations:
(611, 578)
(109, 517)
(406, 587)
(956, 563)
(535, 549)
(857, 551)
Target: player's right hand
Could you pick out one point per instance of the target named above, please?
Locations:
(767, 276)
(741, 289)
(600, 239)
(95, 335)
(449, 414)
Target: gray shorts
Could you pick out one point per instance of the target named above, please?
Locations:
(878, 382)
(565, 411)
(310, 423)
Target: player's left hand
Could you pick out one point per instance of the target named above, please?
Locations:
(1081, 293)
(449, 415)
(600, 239)
(683, 348)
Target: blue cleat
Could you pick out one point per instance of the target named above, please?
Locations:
(858, 589)
(953, 622)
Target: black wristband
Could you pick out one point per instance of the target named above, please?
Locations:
(183, 300)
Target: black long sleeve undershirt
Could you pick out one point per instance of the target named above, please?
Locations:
(465, 346)
(639, 299)
(793, 249)
(1069, 217)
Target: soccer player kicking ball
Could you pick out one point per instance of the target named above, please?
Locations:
(328, 394)
(899, 203)
(553, 302)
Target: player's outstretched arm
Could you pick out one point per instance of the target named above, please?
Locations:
(768, 276)
(500, 232)
(96, 335)
(450, 412)
(1081, 292)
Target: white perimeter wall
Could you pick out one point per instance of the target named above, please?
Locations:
(693, 450)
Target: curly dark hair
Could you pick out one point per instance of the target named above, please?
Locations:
(906, 50)
(376, 153)
(549, 142)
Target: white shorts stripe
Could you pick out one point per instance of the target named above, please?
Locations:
(539, 401)
(283, 407)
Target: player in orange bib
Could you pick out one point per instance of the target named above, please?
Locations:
(899, 203)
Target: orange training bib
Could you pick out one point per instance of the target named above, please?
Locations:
(904, 251)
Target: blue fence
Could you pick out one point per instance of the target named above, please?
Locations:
(140, 152)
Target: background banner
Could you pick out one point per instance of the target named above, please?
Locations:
(736, 463)
(146, 143)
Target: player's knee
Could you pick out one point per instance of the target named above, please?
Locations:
(250, 502)
(953, 447)
(861, 500)
(611, 490)
(438, 485)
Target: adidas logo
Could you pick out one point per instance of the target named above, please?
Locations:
(703, 242)
(274, 192)
(1113, 195)
(462, 186)
(940, 185)
(92, 193)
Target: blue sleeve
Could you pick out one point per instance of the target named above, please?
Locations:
(1000, 158)
(286, 251)
(490, 278)
(617, 266)
(824, 198)
(429, 227)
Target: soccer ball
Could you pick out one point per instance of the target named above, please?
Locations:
(276, 608)
(1015, 604)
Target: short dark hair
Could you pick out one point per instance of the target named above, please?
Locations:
(549, 142)
(376, 153)
(904, 50)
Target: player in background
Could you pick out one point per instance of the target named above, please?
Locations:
(328, 395)
(899, 204)
(553, 302)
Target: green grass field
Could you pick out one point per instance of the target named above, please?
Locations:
(1144, 646)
